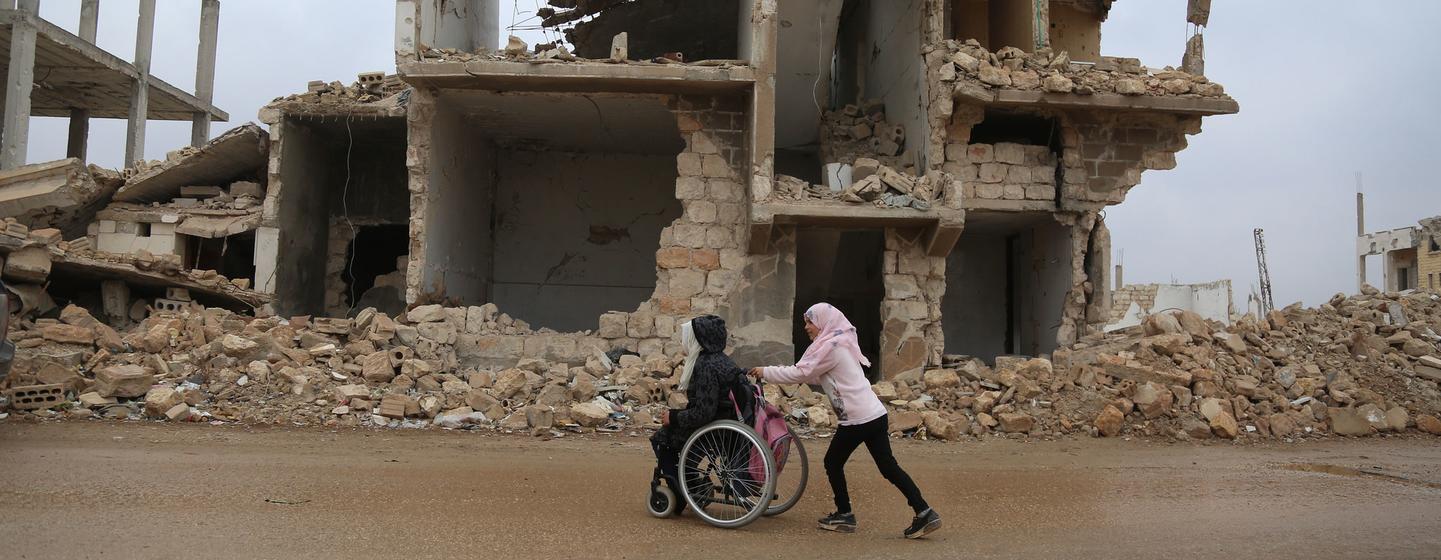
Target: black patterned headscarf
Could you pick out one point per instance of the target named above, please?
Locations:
(710, 334)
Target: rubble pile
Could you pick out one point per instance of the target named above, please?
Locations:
(60, 194)
(369, 87)
(1006, 171)
(371, 369)
(517, 50)
(1054, 72)
(872, 182)
(30, 254)
(1355, 366)
(862, 131)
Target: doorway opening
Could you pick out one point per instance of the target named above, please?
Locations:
(842, 268)
(1006, 283)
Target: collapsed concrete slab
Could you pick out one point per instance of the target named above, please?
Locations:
(75, 263)
(59, 194)
(235, 154)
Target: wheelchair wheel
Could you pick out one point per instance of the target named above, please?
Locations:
(791, 475)
(715, 474)
(661, 502)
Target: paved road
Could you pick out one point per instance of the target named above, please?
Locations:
(147, 490)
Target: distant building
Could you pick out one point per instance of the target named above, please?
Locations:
(1412, 255)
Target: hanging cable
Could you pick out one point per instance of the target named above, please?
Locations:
(345, 208)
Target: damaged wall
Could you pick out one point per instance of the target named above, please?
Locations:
(369, 189)
(1007, 281)
(456, 220)
(915, 283)
(575, 233)
(1104, 153)
(699, 257)
(1075, 30)
(298, 197)
(896, 73)
(697, 30)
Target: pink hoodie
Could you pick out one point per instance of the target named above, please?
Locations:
(833, 361)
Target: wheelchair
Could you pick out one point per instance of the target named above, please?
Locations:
(722, 483)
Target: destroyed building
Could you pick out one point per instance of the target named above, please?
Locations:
(1411, 256)
(509, 237)
(937, 169)
(156, 234)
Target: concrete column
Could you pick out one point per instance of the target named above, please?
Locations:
(205, 69)
(79, 141)
(89, 19)
(140, 97)
(18, 84)
(115, 300)
(1360, 232)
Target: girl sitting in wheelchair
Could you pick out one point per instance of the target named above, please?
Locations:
(710, 381)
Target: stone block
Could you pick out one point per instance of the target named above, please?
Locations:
(29, 264)
(612, 325)
(178, 413)
(160, 400)
(1040, 192)
(1018, 174)
(673, 257)
(35, 397)
(685, 283)
(68, 334)
(1007, 152)
(992, 172)
(126, 381)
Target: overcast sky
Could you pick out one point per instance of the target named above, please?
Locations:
(1326, 90)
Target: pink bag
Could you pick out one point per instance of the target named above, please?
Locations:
(770, 425)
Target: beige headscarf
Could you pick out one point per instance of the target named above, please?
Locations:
(692, 351)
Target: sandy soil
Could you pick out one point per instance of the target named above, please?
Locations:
(151, 490)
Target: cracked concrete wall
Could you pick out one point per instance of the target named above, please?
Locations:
(896, 72)
(762, 306)
(296, 199)
(974, 306)
(983, 296)
(457, 206)
(575, 233)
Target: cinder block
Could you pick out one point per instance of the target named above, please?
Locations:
(161, 228)
(162, 305)
(114, 242)
(33, 397)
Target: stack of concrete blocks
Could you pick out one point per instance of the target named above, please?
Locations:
(1005, 171)
(122, 237)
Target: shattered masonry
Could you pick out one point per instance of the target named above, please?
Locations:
(508, 237)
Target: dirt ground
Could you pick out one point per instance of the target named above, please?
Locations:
(149, 490)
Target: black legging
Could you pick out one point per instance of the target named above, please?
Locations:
(877, 439)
